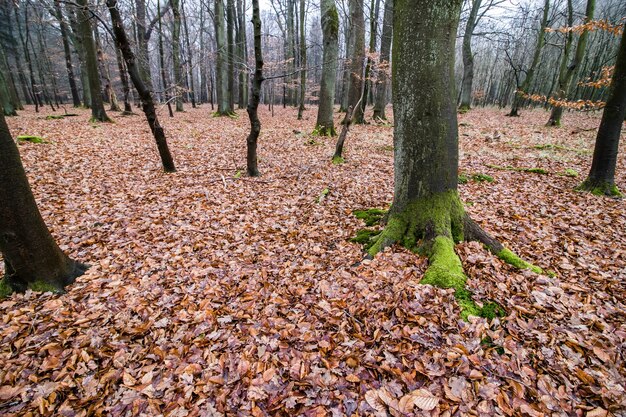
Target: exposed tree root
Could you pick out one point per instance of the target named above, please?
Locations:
(600, 188)
(432, 226)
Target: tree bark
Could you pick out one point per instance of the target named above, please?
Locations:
(325, 125)
(567, 74)
(121, 39)
(358, 59)
(518, 100)
(77, 39)
(253, 105)
(601, 178)
(8, 107)
(367, 82)
(242, 53)
(230, 38)
(178, 73)
(384, 65)
(221, 63)
(166, 92)
(32, 257)
(468, 58)
(84, 23)
(427, 214)
(189, 66)
(303, 63)
(67, 52)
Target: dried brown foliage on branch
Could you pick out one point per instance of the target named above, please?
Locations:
(215, 294)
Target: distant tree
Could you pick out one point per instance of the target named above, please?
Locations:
(566, 73)
(385, 54)
(84, 23)
(427, 214)
(221, 63)
(178, 71)
(325, 125)
(601, 178)
(530, 73)
(58, 14)
(255, 98)
(32, 259)
(468, 57)
(6, 103)
(357, 60)
(303, 61)
(145, 94)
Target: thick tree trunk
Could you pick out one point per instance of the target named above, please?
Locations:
(253, 105)
(32, 257)
(77, 39)
(468, 58)
(84, 23)
(145, 94)
(7, 105)
(427, 214)
(601, 178)
(385, 54)
(221, 63)
(24, 42)
(567, 73)
(303, 62)
(109, 95)
(358, 58)
(142, 43)
(518, 100)
(325, 125)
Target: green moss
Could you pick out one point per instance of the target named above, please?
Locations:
(31, 139)
(338, 160)
(231, 114)
(322, 195)
(366, 237)
(535, 170)
(324, 131)
(569, 172)
(5, 289)
(488, 343)
(445, 269)
(510, 168)
(463, 179)
(332, 20)
(237, 174)
(54, 117)
(42, 286)
(514, 260)
(600, 188)
(312, 142)
(464, 109)
(370, 216)
(482, 177)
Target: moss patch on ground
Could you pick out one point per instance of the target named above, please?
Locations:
(519, 169)
(366, 237)
(338, 160)
(31, 139)
(370, 216)
(600, 188)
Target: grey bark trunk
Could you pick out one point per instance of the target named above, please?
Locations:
(330, 31)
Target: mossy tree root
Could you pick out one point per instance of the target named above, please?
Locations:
(431, 227)
(600, 188)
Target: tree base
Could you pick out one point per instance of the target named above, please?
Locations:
(321, 130)
(600, 188)
(12, 283)
(431, 226)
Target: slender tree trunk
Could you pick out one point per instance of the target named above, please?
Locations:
(13, 49)
(142, 43)
(178, 71)
(303, 62)
(67, 52)
(84, 22)
(221, 63)
(230, 35)
(189, 66)
(253, 105)
(601, 178)
(367, 82)
(384, 66)
(325, 125)
(109, 95)
(166, 93)
(121, 67)
(32, 257)
(358, 60)
(345, 84)
(80, 48)
(242, 53)
(468, 58)
(291, 52)
(29, 63)
(145, 93)
(518, 100)
(567, 73)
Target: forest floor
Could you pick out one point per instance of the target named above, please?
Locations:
(211, 293)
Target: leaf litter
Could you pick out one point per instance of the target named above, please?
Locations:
(215, 294)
